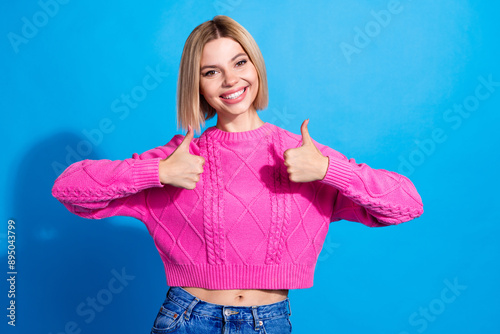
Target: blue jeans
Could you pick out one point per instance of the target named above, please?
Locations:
(182, 312)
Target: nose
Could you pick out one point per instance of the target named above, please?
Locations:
(230, 79)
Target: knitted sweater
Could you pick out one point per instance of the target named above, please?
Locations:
(245, 225)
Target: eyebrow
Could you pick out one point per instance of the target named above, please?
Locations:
(209, 66)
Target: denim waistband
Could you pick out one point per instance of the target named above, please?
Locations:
(193, 304)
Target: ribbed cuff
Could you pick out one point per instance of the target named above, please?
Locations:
(146, 174)
(338, 174)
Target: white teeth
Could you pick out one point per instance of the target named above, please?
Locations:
(234, 95)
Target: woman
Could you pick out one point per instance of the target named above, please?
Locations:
(239, 214)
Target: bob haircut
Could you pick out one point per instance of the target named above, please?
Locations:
(192, 108)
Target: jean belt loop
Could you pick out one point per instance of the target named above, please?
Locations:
(256, 321)
(289, 308)
(187, 313)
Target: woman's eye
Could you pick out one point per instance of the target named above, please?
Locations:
(241, 62)
(209, 73)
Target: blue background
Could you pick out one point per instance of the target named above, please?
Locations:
(382, 92)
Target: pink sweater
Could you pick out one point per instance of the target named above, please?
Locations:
(245, 225)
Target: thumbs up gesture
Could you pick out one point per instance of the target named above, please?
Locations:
(305, 163)
(181, 168)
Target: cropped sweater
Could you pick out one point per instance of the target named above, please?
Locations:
(245, 225)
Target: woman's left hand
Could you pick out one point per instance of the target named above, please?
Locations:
(305, 163)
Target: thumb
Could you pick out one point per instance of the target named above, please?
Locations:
(306, 138)
(184, 146)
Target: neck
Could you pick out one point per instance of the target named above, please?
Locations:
(239, 123)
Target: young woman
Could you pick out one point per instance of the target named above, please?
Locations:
(239, 215)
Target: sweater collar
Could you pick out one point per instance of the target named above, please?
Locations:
(221, 135)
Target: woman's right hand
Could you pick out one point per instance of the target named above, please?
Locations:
(181, 168)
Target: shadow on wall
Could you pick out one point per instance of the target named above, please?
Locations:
(73, 273)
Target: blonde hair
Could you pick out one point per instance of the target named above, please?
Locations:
(192, 108)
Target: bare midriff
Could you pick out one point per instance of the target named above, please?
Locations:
(238, 297)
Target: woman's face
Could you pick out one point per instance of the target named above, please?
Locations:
(228, 80)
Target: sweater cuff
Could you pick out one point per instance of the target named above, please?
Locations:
(338, 174)
(146, 174)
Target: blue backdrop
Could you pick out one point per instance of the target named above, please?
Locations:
(409, 86)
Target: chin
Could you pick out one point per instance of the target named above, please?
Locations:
(236, 111)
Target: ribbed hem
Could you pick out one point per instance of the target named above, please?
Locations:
(146, 173)
(239, 136)
(223, 277)
(339, 173)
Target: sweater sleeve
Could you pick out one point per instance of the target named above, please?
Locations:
(374, 197)
(97, 189)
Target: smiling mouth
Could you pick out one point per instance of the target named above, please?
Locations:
(234, 95)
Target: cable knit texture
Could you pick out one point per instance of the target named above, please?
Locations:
(245, 225)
